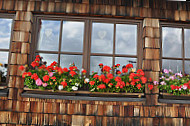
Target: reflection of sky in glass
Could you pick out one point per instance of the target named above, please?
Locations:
(187, 43)
(49, 35)
(187, 67)
(72, 37)
(171, 42)
(49, 58)
(174, 65)
(96, 60)
(5, 33)
(102, 38)
(124, 61)
(126, 39)
(4, 61)
(66, 60)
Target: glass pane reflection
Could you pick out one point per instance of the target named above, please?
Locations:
(172, 42)
(102, 38)
(124, 61)
(126, 39)
(5, 33)
(49, 35)
(187, 67)
(95, 60)
(174, 65)
(66, 60)
(72, 37)
(187, 43)
(3, 66)
(49, 58)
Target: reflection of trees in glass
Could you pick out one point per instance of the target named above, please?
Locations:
(3, 73)
(187, 42)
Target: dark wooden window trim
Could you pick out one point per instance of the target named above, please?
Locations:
(86, 51)
(7, 16)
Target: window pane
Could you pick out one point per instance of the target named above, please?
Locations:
(72, 37)
(172, 42)
(49, 35)
(187, 67)
(66, 60)
(125, 60)
(187, 43)
(174, 65)
(49, 58)
(126, 39)
(102, 38)
(3, 66)
(96, 60)
(5, 33)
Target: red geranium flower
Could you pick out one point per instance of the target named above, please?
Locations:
(64, 84)
(96, 76)
(129, 66)
(34, 64)
(65, 69)
(54, 63)
(34, 76)
(101, 77)
(106, 81)
(140, 71)
(101, 64)
(150, 87)
(139, 86)
(21, 68)
(106, 68)
(84, 71)
(118, 79)
(53, 78)
(133, 83)
(101, 86)
(124, 70)
(118, 72)
(72, 73)
(92, 82)
(46, 78)
(143, 79)
(110, 76)
(42, 67)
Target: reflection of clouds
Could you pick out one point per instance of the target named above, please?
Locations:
(174, 65)
(49, 35)
(102, 38)
(5, 33)
(124, 61)
(49, 58)
(187, 67)
(171, 41)
(72, 38)
(66, 60)
(187, 43)
(126, 39)
(96, 60)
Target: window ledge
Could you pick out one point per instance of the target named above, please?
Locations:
(171, 101)
(3, 92)
(29, 94)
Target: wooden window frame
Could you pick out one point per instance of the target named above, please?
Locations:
(8, 16)
(87, 38)
(174, 25)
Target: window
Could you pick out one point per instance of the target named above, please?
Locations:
(175, 47)
(88, 41)
(5, 38)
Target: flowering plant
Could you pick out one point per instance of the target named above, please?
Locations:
(174, 83)
(52, 76)
(114, 80)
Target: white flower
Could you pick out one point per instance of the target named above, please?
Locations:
(60, 87)
(74, 88)
(77, 84)
(87, 80)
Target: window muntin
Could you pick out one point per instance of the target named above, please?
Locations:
(5, 38)
(175, 52)
(91, 35)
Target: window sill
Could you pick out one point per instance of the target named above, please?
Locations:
(173, 99)
(84, 95)
(3, 92)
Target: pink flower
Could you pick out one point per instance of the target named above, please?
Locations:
(163, 83)
(156, 82)
(172, 77)
(50, 74)
(38, 82)
(166, 71)
(45, 84)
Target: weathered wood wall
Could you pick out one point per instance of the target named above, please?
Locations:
(16, 110)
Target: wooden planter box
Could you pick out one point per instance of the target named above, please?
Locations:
(84, 93)
(174, 97)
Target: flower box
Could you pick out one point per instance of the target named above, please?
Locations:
(84, 93)
(174, 97)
